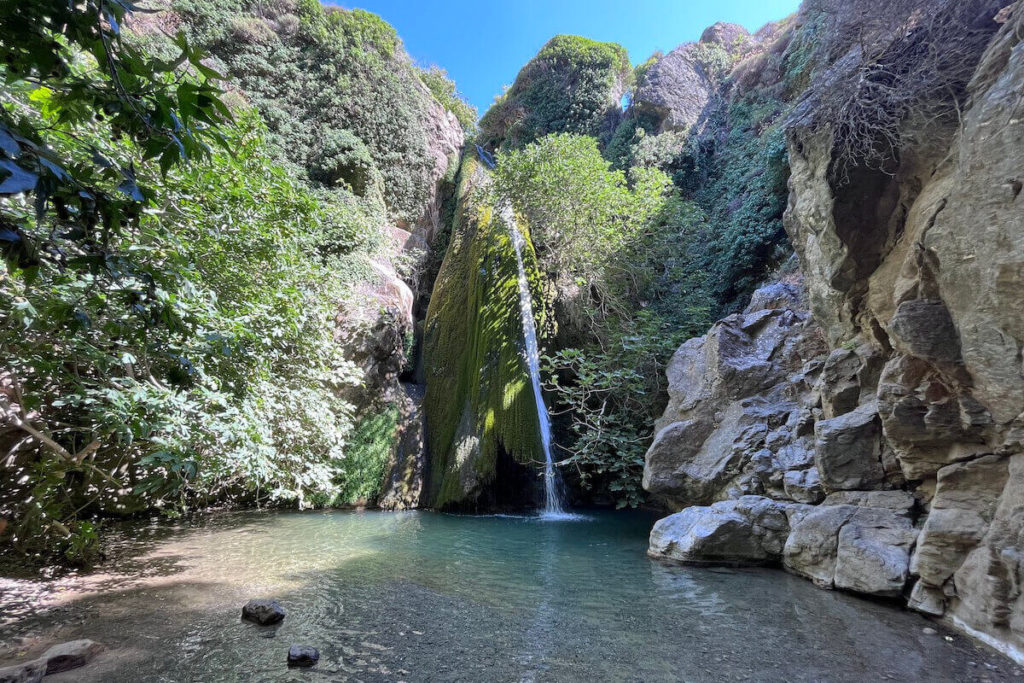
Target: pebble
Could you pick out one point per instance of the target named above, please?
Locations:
(928, 631)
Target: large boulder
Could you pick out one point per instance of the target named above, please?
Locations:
(739, 413)
(862, 549)
(675, 90)
(750, 530)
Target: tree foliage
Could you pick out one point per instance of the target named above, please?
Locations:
(314, 71)
(166, 329)
(619, 248)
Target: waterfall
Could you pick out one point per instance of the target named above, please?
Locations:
(552, 495)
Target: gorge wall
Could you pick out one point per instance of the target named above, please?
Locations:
(864, 426)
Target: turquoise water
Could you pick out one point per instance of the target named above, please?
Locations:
(430, 597)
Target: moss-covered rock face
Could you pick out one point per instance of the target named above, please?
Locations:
(482, 427)
(573, 85)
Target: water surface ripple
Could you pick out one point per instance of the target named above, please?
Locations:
(419, 596)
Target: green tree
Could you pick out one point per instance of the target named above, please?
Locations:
(620, 249)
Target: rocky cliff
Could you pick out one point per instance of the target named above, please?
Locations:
(876, 444)
(483, 432)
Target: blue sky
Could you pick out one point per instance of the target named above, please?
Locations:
(484, 43)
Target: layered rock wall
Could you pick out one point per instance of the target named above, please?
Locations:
(879, 447)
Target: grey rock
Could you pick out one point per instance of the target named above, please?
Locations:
(303, 656)
(750, 530)
(27, 672)
(675, 89)
(776, 296)
(901, 501)
(924, 328)
(70, 655)
(843, 546)
(263, 612)
(927, 599)
(873, 552)
(730, 36)
(848, 450)
(963, 507)
(403, 487)
(811, 549)
(804, 486)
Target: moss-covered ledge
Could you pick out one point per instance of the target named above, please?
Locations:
(480, 413)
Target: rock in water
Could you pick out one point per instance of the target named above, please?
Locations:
(29, 672)
(303, 655)
(70, 655)
(263, 612)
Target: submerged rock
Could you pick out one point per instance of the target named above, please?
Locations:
(303, 655)
(70, 655)
(27, 672)
(263, 612)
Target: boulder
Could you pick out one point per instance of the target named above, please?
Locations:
(965, 502)
(732, 37)
(810, 550)
(873, 552)
(848, 450)
(70, 655)
(26, 672)
(804, 486)
(750, 530)
(303, 656)
(739, 410)
(844, 546)
(263, 612)
(675, 89)
(927, 599)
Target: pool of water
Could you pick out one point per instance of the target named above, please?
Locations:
(419, 596)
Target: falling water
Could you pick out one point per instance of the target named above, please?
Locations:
(552, 496)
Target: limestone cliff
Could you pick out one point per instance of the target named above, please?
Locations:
(891, 461)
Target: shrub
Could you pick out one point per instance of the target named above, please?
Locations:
(626, 242)
(573, 85)
(339, 70)
(444, 89)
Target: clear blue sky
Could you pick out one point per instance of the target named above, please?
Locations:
(484, 43)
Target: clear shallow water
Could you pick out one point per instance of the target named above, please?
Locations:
(428, 597)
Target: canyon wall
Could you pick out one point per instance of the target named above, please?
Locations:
(865, 428)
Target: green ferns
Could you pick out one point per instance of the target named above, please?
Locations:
(573, 85)
(479, 404)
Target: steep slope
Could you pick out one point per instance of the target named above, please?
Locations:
(483, 432)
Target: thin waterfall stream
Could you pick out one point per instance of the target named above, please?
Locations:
(552, 491)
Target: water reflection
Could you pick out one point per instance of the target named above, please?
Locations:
(427, 597)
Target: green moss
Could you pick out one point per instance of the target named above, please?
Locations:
(478, 401)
